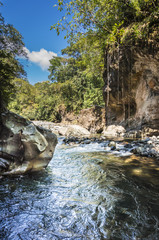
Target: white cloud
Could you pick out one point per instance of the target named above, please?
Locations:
(41, 58)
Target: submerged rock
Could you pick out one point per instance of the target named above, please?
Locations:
(23, 146)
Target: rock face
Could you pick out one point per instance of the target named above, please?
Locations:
(92, 119)
(23, 146)
(134, 88)
(147, 90)
(132, 80)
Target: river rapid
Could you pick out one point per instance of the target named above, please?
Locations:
(85, 193)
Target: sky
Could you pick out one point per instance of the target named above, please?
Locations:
(33, 19)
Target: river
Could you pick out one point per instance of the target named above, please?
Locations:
(85, 193)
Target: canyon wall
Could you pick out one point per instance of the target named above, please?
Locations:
(131, 90)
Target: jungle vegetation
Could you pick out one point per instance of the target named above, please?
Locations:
(11, 46)
(79, 78)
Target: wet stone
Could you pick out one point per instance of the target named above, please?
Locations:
(128, 145)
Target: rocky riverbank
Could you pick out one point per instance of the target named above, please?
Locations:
(148, 147)
(114, 138)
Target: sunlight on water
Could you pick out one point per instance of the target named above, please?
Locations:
(85, 193)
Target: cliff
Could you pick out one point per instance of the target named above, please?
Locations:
(134, 88)
(131, 92)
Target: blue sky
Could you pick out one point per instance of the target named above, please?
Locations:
(33, 19)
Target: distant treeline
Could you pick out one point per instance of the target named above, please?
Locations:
(50, 101)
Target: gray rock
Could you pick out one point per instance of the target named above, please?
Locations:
(112, 144)
(23, 146)
(76, 130)
(67, 130)
(114, 131)
(128, 145)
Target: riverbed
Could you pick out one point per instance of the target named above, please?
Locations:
(86, 192)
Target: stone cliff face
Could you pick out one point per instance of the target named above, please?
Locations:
(131, 91)
(147, 90)
(134, 89)
(23, 146)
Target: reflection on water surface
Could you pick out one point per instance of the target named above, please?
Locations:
(85, 193)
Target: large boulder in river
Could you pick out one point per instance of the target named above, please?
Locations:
(73, 130)
(114, 131)
(23, 146)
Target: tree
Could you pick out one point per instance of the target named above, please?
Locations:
(104, 19)
(81, 78)
(61, 69)
(109, 24)
(11, 46)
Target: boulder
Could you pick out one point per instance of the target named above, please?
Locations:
(24, 146)
(76, 130)
(67, 130)
(114, 131)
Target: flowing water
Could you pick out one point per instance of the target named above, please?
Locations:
(85, 193)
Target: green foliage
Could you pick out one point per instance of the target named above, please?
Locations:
(79, 75)
(108, 20)
(97, 28)
(50, 101)
(23, 100)
(11, 46)
(61, 69)
(76, 78)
